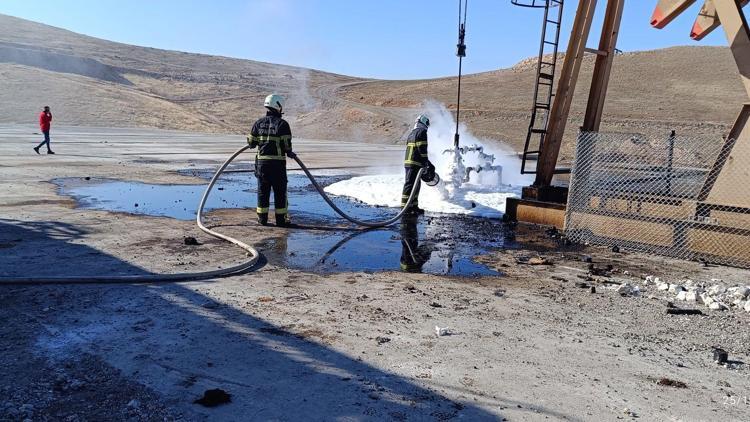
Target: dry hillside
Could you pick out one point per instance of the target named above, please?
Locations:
(89, 81)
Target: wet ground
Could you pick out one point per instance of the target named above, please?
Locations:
(436, 244)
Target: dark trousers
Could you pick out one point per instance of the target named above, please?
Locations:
(413, 256)
(272, 177)
(45, 141)
(409, 181)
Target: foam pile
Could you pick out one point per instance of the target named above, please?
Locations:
(485, 193)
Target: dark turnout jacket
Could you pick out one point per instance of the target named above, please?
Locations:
(272, 136)
(416, 147)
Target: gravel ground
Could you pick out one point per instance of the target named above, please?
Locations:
(535, 344)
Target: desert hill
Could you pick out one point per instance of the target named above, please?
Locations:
(89, 81)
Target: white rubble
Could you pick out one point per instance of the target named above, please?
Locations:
(717, 295)
(626, 289)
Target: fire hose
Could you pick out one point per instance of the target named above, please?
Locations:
(252, 253)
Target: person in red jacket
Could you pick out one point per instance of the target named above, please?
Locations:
(45, 121)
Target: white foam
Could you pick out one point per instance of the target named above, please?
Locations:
(484, 195)
(385, 190)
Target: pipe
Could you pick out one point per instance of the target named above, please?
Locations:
(249, 265)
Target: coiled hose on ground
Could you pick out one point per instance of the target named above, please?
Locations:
(246, 266)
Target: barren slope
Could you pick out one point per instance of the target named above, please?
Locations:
(694, 89)
(89, 81)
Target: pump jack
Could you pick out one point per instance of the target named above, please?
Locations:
(544, 203)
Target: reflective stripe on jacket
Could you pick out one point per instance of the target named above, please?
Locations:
(272, 136)
(416, 147)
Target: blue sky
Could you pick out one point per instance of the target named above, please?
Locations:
(393, 39)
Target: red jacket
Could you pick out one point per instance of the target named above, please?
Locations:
(45, 119)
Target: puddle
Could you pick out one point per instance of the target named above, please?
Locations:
(234, 190)
(443, 244)
(432, 245)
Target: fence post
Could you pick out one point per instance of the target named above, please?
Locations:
(670, 161)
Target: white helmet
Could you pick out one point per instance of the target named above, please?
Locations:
(275, 102)
(423, 119)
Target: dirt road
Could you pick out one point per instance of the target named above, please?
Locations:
(533, 344)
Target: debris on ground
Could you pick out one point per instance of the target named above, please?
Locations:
(713, 294)
(445, 331)
(382, 340)
(720, 356)
(191, 241)
(680, 311)
(214, 397)
(666, 382)
(626, 289)
(538, 260)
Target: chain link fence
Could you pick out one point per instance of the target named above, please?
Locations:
(685, 197)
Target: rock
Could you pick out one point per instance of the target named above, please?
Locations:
(680, 311)
(662, 286)
(538, 260)
(720, 356)
(210, 305)
(190, 241)
(134, 404)
(706, 299)
(382, 340)
(445, 331)
(676, 288)
(682, 295)
(717, 306)
(691, 296)
(626, 289)
(739, 292)
(747, 306)
(213, 398)
(671, 383)
(649, 280)
(716, 289)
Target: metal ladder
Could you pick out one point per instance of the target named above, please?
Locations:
(545, 78)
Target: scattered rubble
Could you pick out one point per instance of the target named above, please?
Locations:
(714, 295)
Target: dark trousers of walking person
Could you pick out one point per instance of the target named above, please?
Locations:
(272, 177)
(409, 181)
(45, 141)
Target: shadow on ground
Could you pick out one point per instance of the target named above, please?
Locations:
(178, 341)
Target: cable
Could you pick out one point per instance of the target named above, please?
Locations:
(461, 53)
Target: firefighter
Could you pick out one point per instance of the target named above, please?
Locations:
(415, 159)
(273, 138)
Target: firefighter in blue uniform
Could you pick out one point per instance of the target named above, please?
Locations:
(273, 138)
(416, 159)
